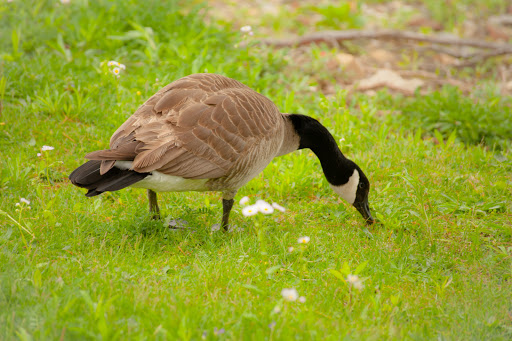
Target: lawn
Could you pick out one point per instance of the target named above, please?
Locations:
(437, 266)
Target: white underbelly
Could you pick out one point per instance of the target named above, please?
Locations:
(160, 182)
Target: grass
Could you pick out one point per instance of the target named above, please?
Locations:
(483, 118)
(439, 266)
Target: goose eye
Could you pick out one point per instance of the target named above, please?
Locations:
(361, 185)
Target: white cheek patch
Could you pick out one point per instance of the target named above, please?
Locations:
(348, 191)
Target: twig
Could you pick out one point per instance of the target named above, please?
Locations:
(67, 136)
(484, 55)
(182, 250)
(447, 51)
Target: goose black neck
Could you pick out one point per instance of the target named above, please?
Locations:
(313, 135)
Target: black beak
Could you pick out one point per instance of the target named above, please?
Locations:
(364, 208)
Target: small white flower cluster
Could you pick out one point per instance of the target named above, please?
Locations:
(23, 202)
(247, 30)
(116, 67)
(44, 149)
(355, 281)
(292, 295)
(303, 240)
(260, 206)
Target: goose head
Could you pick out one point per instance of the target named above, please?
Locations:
(344, 176)
(355, 190)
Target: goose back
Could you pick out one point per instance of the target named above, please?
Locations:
(203, 126)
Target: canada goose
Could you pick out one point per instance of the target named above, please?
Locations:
(207, 132)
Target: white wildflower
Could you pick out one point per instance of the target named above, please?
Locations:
(302, 299)
(291, 248)
(17, 204)
(250, 210)
(264, 207)
(64, 2)
(303, 240)
(276, 310)
(25, 201)
(116, 67)
(39, 154)
(244, 200)
(246, 29)
(45, 148)
(278, 207)
(354, 281)
(290, 294)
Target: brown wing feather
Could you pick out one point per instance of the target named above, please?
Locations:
(196, 127)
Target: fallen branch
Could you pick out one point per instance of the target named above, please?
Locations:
(448, 51)
(339, 36)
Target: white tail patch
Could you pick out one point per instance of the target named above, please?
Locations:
(160, 182)
(348, 191)
(124, 165)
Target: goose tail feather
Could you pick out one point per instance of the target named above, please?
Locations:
(89, 176)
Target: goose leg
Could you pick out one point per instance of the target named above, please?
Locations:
(153, 205)
(227, 205)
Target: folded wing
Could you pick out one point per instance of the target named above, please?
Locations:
(196, 127)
